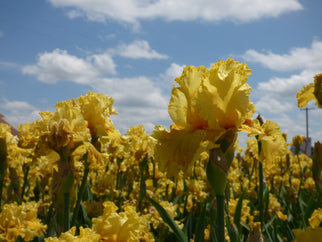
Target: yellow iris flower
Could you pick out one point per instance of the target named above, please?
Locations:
(15, 156)
(124, 226)
(67, 125)
(205, 105)
(20, 220)
(96, 109)
(312, 91)
(297, 142)
(138, 144)
(273, 143)
(316, 218)
(224, 100)
(272, 140)
(85, 234)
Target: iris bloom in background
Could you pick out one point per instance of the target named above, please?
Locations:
(316, 218)
(85, 234)
(297, 142)
(312, 91)
(123, 226)
(96, 109)
(273, 144)
(20, 220)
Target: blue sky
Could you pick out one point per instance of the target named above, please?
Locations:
(132, 50)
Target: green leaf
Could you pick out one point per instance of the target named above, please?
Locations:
(188, 225)
(288, 231)
(169, 220)
(266, 203)
(266, 230)
(200, 229)
(310, 208)
(238, 211)
(88, 194)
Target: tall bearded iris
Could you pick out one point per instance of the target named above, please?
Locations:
(205, 105)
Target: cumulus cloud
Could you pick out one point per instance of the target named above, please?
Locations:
(132, 11)
(137, 50)
(287, 86)
(59, 65)
(271, 105)
(306, 61)
(275, 98)
(18, 112)
(138, 101)
(173, 71)
(296, 59)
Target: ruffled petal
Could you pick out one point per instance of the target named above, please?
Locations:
(181, 106)
(273, 143)
(305, 95)
(224, 99)
(178, 149)
(318, 89)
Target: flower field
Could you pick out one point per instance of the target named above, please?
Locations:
(71, 176)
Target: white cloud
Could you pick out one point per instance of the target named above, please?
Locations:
(276, 99)
(296, 59)
(273, 105)
(136, 50)
(288, 86)
(167, 79)
(138, 101)
(18, 112)
(306, 61)
(1, 34)
(132, 11)
(59, 65)
(174, 70)
(103, 63)
(291, 124)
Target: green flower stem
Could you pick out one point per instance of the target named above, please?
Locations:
(63, 191)
(3, 165)
(118, 175)
(143, 166)
(2, 176)
(261, 178)
(261, 194)
(66, 211)
(15, 185)
(25, 180)
(301, 174)
(80, 194)
(261, 186)
(153, 176)
(220, 220)
(217, 170)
